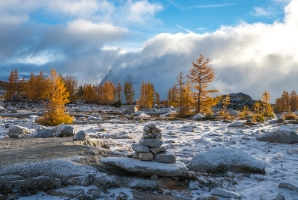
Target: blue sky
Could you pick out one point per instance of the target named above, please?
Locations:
(151, 40)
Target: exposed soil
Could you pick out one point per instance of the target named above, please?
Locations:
(30, 149)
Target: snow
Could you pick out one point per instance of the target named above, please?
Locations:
(280, 160)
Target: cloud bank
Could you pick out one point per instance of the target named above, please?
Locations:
(249, 58)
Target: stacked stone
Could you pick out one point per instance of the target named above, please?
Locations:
(149, 147)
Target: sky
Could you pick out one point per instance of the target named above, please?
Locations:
(252, 44)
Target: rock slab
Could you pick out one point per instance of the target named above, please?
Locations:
(225, 193)
(149, 168)
(222, 159)
(279, 136)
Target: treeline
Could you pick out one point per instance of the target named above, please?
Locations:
(33, 89)
(191, 92)
(288, 102)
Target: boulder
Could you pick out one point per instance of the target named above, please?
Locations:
(279, 136)
(18, 129)
(146, 156)
(130, 109)
(149, 168)
(288, 186)
(145, 109)
(13, 110)
(151, 142)
(69, 192)
(80, 136)
(65, 130)
(42, 132)
(140, 148)
(13, 135)
(222, 159)
(232, 112)
(225, 193)
(198, 116)
(236, 124)
(2, 110)
(166, 157)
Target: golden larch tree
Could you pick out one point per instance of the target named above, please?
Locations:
(57, 97)
(267, 109)
(118, 92)
(12, 85)
(157, 98)
(200, 76)
(71, 85)
(129, 92)
(89, 94)
(184, 97)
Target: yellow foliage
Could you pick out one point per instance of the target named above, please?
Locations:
(129, 92)
(57, 97)
(201, 75)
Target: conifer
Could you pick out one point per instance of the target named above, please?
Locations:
(57, 97)
(129, 92)
(201, 75)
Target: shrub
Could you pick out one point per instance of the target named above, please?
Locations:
(258, 118)
(208, 116)
(289, 116)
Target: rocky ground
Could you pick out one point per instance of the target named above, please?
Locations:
(223, 160)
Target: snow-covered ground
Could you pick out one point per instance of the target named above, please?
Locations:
(188, 138)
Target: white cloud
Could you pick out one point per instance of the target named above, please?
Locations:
(139, 12)
(248, 58)
(259, 11)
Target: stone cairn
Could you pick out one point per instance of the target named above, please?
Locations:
(149, 147)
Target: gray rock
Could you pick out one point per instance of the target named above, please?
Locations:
(13, 110)
(65, 130)
(280, 197)
(167, 157)
(151, 126)
(135, 155)
(222, 159)
(151, 142)
(18, 129)
(146, 156)
(279, 136)
(232, 112)
(225, 193)
(43, 132)
(236, 124)
(13, 135)
(94, 193)
(2, 110)
(142, 168)
(130, 109)
(288, 186)
(68, 192)
(156, 130)
(81, 135)
(140, 148)
(158, 149)
(146, 129)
